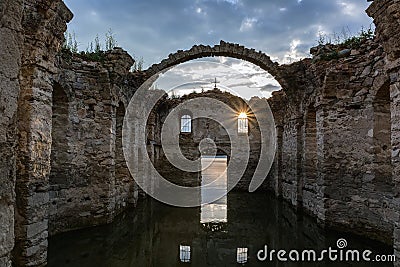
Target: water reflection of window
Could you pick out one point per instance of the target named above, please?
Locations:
(184, 253)
(186, 124)
(242, 255)
(214, 183)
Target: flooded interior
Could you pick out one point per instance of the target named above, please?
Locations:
(228, 232)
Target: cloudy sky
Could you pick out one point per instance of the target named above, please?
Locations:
(152, 29)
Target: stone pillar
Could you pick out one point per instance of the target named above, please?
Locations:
(277, 176)
(310, 146)
(291, 158)
(10, 54)
(44, 23)
(395, 139)
(299, 161)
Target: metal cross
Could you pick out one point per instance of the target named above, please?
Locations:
(215, 82)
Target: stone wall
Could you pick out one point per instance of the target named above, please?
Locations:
(351, 156)
(44, 128)
(88, 171)
(10, 53)
(31, 34)
(190, 144)
(386, 18)
(336, 141)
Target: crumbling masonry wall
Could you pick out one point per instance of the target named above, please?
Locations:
(43, 24)
(202, 128)
(386, 18)
(10, 53)
(335, 148)
(31, 33)
(88, 171)
(339, 136)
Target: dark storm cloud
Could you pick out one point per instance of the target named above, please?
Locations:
(270, 88)
(154, 28)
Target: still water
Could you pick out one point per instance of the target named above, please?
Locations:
(153, 234)
(229, 232)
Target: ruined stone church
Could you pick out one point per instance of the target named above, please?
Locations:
(62, 165)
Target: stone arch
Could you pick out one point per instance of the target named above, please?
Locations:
(382, 136)
(185, 112)
(223, 49)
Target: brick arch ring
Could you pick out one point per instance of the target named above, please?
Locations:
(222, 49)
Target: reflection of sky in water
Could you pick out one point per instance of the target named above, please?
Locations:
(156, 234)
(214, 182)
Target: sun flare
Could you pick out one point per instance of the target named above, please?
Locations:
(243, 115)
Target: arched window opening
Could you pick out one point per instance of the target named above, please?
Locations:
(243, 123)
(186, 124)
(382, 137)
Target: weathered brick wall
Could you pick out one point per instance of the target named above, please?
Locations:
(277, 104)
(10, 53)
(355, 189)
(88, 172)
(31, 33)
(336, 148)
(290, 162)
(42, 25)
(203, 128)
(386, 18)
